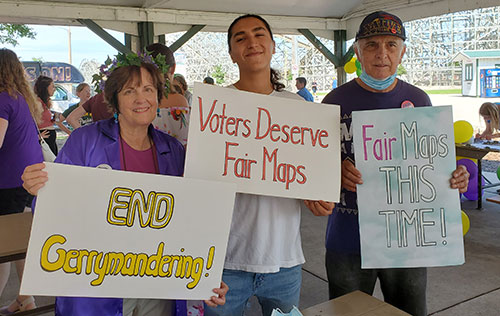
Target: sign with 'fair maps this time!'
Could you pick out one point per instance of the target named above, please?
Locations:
(408, 214)
(125, 234)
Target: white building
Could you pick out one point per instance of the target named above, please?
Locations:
(480, 72)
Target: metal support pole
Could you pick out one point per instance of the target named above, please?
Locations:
(161, 39)
(339, 47)
(146, 34)
(334, 59)
(99, 31)
(128, 41)
(186, 37)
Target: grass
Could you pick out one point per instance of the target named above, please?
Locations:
(444, 91)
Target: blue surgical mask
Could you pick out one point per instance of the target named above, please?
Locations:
(293, 312)
(376, 83)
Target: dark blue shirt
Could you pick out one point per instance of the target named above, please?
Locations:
(342, 232)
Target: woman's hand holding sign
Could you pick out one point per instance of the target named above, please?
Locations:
(34, 178)
(350, 175)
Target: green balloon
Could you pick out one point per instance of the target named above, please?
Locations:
(358, 72)
(498, 172)
(358, 65)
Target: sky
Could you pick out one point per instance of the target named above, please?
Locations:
(51, 44)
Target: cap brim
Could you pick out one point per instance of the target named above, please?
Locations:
(385, 33)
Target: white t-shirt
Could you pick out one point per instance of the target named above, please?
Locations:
(265, 230)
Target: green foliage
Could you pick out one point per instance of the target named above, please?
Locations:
(10, 33)
(444, 91)
(219, 74)
(289, 75)
(38, 59)
(133, 59)
(401, 70)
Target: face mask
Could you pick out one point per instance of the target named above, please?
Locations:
(293, 312)
(376, 83)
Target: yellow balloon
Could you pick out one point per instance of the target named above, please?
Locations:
(463, 131)
(350, 67)
(465, 223)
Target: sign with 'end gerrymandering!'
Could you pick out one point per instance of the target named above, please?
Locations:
(125, 234)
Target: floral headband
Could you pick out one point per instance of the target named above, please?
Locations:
(132, 59)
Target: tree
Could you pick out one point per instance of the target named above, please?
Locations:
(10, 33)
(219, 74)
(401, 70)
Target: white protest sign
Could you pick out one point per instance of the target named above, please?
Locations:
(267, 145)
(408, 214)
(107, 233)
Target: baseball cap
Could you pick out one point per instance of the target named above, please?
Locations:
(381, 23)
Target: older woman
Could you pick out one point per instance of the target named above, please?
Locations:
(128, 142)
(18, 148)
(181, 86)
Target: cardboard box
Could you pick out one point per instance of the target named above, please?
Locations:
(354, 304)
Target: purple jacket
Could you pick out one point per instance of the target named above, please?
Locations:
(91, 146)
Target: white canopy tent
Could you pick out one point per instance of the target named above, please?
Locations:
(285, 16)
(333, 19)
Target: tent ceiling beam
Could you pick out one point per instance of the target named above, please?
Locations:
(99, 31)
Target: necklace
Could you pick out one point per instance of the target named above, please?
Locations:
(153, 151)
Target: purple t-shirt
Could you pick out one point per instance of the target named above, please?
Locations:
(137, 160)
(20, 146)
(342, 232)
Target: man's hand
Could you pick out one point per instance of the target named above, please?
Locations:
(460, 179)
(350, 176)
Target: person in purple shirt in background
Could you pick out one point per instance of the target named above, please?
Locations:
(379, 47)
(18, 148)
(130, 143)
(300, 84)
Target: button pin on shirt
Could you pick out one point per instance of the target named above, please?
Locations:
(407, 104)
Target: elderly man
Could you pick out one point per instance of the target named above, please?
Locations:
(380, 48)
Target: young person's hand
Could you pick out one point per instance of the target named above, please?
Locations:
(220, 298)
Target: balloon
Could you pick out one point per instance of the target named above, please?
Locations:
(472, 193)
(463, 131)
(498, 172)
(465, 223)
(462, 157)
(358, 64)
(358, 72)
(350, 67)
(470, 166)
